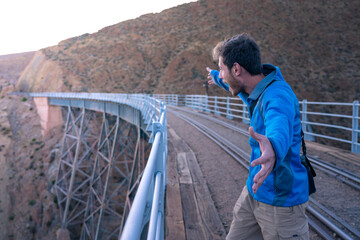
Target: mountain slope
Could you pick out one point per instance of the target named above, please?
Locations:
(315, 44)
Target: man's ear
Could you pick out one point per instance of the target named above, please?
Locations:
(236, 69)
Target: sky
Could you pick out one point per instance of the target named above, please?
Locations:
(30, 25)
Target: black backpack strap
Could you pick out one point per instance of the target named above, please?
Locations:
(303, 146)
(252, 106)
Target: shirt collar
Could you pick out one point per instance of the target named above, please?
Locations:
(270, 72)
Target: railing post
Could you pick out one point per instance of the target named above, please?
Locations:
(216, 109)
(355, 128)
(196, 103)
(244, 111)
(164, 145)
(304, 117)
(154, 102)
(207, 104)
(228, 110)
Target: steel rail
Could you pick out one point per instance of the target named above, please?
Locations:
(341, 174)
(350, 175)
(219, 140)
(319, 230)
(349, 178)
(225, 124)
(214, 137)
(338, 219)
(329, 224)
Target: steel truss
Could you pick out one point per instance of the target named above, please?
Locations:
(99, 171)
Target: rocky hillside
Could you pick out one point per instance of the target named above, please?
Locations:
(315, 43)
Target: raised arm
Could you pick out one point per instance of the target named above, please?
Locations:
(213, 76)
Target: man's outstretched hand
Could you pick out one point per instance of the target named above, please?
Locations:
(210, 80)
(266, 160)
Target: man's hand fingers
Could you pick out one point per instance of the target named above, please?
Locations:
(256, 185)
(258, 161)
(259, 179)
(261, 160)
(254, 135)
(208, 69)
(261, 176)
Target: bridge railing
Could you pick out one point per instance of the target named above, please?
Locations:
(148, 204)
(337, 123)
(150, 194)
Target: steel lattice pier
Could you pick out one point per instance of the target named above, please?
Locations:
(102, 160)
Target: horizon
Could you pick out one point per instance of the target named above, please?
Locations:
(43, 24)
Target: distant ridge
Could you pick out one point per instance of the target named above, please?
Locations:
(12, 65)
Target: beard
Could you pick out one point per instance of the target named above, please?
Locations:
(236, 87)
(236, 91)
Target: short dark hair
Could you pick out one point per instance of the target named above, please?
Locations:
(242, 49)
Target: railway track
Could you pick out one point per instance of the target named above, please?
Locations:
(321, 219)
(343, 175)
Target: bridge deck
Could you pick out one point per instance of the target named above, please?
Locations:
(199, 206)
(191, 209)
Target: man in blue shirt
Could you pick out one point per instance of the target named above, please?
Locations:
(273, 202)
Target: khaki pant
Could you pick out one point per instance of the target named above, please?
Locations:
(255, 220)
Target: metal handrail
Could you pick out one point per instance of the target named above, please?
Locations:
(153, 173)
